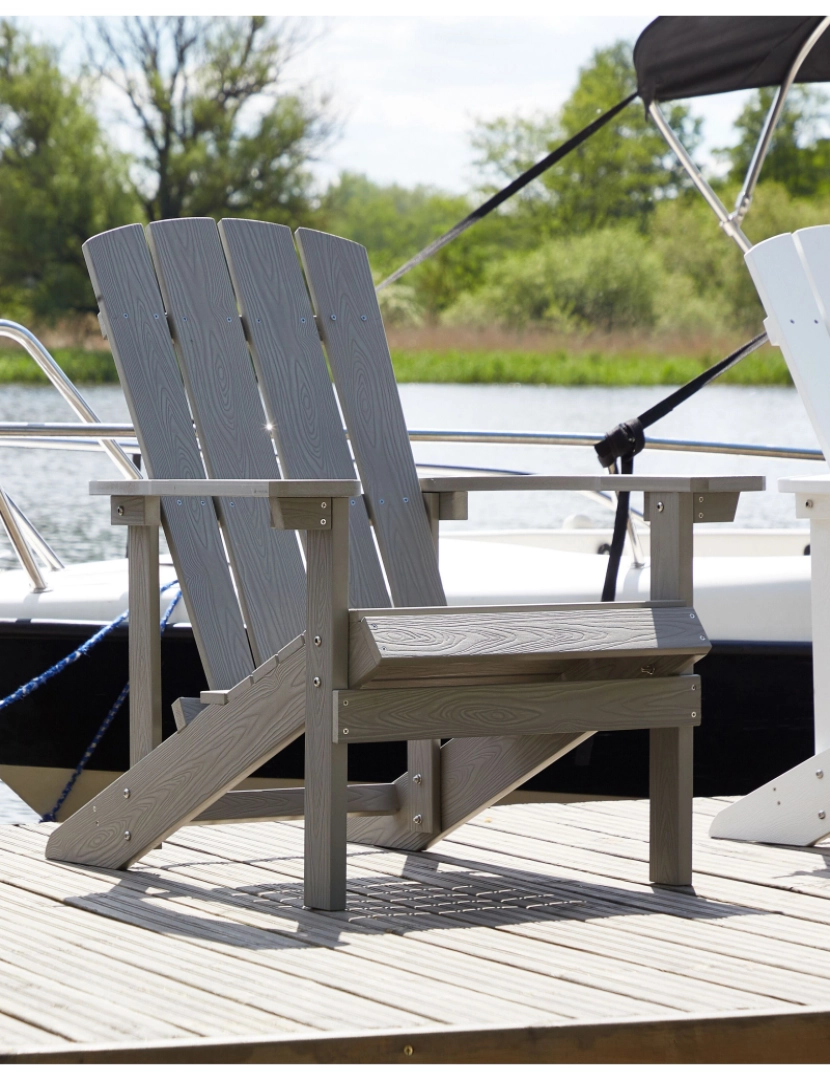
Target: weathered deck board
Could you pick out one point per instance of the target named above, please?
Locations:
(534, 919)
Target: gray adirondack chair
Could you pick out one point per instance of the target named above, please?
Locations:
(512, 689)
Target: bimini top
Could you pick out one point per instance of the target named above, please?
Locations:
(687, 56)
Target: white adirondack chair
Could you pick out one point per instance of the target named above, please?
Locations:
(792, 275)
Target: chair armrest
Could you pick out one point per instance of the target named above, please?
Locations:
(602, 482)
(239, 489)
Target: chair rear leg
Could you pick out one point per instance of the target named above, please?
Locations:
(670, 791)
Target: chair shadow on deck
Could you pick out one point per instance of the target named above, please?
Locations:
(264, 913)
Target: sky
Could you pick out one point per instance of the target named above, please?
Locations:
(408, 89)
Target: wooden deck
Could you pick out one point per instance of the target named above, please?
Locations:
(529, 935)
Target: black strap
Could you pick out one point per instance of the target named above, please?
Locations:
(626, 440)
(609, 589)
(506, 192)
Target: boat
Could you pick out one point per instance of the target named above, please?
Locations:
(752, 587)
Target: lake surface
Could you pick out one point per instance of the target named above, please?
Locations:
(51, 487)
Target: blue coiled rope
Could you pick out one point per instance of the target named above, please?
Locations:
(82, 650)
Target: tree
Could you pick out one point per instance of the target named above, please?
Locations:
(219, 133)
(59, 184)
(798, 157)
(620, 173)
(394, 223)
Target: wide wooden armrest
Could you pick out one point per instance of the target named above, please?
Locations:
(806, 485)
(601, 482)
(249, 489)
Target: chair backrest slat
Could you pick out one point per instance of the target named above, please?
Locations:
(128, 295)
(294, 381)
(231, 425)
(343, 293)
(792, 275)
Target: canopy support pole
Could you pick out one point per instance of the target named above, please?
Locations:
(729, 226)
(744, 200)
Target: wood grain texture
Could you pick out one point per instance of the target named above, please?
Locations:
(671, 752)
(254, 489)
(300, 513)
(474, 774)
(144, 645)
(763, 1037)
(230, 423)
(327, 670)
(272, 803)
(186, 709)
(392, 646)
(592, 482)
(128, 294)
(294, 379)
(135, 510)
(534, 709)
(351, 327)
(188, 772)
(423, 765)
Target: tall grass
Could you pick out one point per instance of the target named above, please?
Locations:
(492, 355)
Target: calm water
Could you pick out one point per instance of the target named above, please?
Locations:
(52, 488)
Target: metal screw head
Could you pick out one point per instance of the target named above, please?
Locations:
(322, 521)
(120, 511)
(127, 834)
(820, 773)
(318, 641)
(417, 778)
(345, 703)
(659, 508)
(345, 731)
(95, 809)
(822, 815)
(363, 318)
(316, 681)
(333, 318)
(691, 614)
(126, 793)
(322, 506)
(694, 716)
(700, 517)
(700, 498)
(702, 637)
(418, 819)
(408, 1051)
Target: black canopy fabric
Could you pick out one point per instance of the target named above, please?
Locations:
(688, 56)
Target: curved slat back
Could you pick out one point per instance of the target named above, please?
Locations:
(231, 424)
(294, 380)
(350, 323)
(792, 275)
(133, 312)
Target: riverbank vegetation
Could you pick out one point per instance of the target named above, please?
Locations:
(606, 270)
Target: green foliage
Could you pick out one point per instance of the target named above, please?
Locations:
(621, 173)
(219, 133)
(798, 157)
(79, 365)
(393, 223)
(563, 367)
(59, 183)
(607, 279)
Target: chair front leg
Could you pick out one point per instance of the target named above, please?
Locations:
(327, 649)
(142, 516)
(670, 749)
